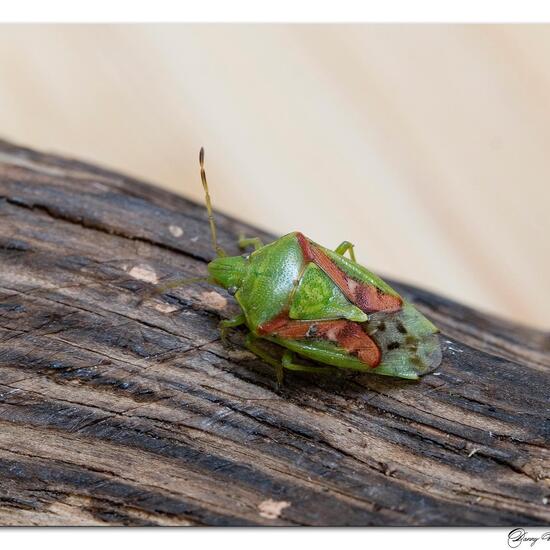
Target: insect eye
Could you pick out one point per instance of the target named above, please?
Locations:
(232, 290)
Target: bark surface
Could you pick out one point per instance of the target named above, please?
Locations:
(117, 411)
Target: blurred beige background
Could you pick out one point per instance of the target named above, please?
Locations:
(427, 145)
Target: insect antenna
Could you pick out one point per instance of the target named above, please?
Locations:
(161, 289)
(219, 250)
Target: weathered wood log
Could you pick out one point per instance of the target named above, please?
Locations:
(117, 411)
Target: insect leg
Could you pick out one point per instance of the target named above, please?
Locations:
(288, 363)
(176, 283)
(245, 242)
(344, 247)
(251, 344)
(226, 324)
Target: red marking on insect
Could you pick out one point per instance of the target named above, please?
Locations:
(347, 334)
(366, 297)
(305, 245)
(275, 323)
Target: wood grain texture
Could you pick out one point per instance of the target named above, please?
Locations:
(116, 412)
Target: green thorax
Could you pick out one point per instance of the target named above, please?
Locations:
(276, 279)
(272, 275)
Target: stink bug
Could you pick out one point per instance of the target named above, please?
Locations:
(317, 304)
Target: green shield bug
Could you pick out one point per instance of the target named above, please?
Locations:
(317, 304)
